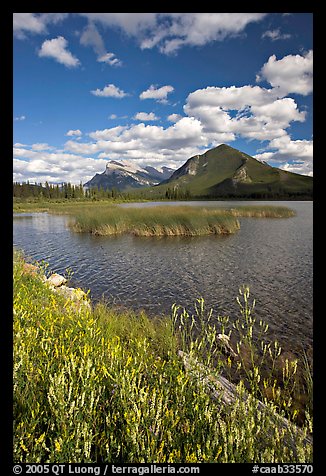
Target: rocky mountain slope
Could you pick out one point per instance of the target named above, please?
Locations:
(225, 171)
(123, 175)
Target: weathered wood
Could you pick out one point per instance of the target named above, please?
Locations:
(225, 392)
(224, 342)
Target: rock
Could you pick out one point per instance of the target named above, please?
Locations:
(76, 295)
(71, 293)
(56, 280)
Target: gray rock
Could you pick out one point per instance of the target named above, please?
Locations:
(76, 295)
(56, 280)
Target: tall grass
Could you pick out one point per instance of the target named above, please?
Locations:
(167, 220)
(155, 221)
(265, 211)
(97, 384)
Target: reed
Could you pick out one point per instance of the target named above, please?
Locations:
(101, 384)
(167, 220)
(155, 221)
(266, 211)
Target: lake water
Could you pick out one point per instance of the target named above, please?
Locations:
(272, 256)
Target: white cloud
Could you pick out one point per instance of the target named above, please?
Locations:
(41, 146)
(275, 35)
(232, 97)
(81, 147)
(145, 116)
(72, 132)
(20, 118)
(159, 94)
(171, 31)
(166, 31)
(139, 142)
(174, 117)
(110, 91)
(110, 59)
(300, 167)
(18, 144)
(130, 23)
(198, 29)
(55, 167)
(248, 111)
(27, 22)
(147, 144)
(33, 23)
(291, 155)
(57, 49)
(281, 111)
(91, 37)
(291, 74)
(213, 115)
(302, 149)
(107, 134)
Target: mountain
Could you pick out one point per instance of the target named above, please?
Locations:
(123, 175)
(228, 172)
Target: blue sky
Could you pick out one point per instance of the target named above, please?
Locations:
(158, 88)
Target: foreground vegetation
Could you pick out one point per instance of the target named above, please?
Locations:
(98, 384)
(169, 221)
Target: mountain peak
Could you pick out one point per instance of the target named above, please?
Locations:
(126, 174)
(226, 171)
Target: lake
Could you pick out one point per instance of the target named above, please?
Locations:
(273, 256)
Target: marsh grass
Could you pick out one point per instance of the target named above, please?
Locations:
(167, 220)
(265, 211)
(101, 385)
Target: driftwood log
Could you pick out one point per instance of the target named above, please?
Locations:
(225, 392)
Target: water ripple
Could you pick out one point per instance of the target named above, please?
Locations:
(273, 256)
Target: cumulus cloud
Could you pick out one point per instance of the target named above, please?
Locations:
(291, 74)
(247, 111)
(213, 115)
(72, 132)
(159, 94)
(54, 167)
(27, 22)
(171, 31)
(139, 141)
(145, 116)
(276, 34)
(174, 117)
(33, 23)
(110, 91)
(41, 146)
(129, 23)
(291, 155)
(57, 49)
(166, 31)
(19, 118)
(107, 134)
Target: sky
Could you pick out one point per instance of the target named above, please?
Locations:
(157, 89)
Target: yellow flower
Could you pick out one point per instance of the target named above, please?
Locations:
(57, 446)
(23, 447)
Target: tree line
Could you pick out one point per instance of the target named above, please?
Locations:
(63, 191)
